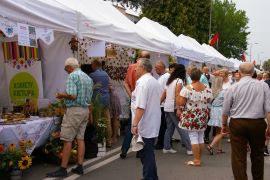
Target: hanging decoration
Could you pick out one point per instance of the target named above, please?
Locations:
(73, 44)
(19, 56)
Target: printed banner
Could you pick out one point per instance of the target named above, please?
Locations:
(8, 28)
(46, 35)
(24, 84)
(27, 35)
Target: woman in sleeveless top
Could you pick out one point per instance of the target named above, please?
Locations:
(193, 101)
(173, 87)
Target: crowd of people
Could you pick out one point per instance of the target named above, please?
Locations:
(193, 101)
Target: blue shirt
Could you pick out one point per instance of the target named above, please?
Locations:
(203, 80)
(101, 86)
(80, 85)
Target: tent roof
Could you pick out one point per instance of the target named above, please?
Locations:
(217, 54)
(101, 20)
(40, 13)
(96, 19)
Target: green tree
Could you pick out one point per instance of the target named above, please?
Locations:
(232, 27)
(180, 16)
(191, 17)
(266, 65)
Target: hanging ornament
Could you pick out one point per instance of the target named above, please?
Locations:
(73, 44)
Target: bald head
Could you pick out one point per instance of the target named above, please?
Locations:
(160, 67)
(246, 69)
(144, 54)
(205, 70)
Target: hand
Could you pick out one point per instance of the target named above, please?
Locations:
(225, 130)
(178, 112)
(59, 95)
(134, 130)
(267, 133)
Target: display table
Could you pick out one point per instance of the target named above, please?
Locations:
(36, 130)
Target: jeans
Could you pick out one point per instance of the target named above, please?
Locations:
(148, 160)
(162, 130)
(172, 123)
(128, 137)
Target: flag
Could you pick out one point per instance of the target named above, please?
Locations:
(243, 57)
(214, 40)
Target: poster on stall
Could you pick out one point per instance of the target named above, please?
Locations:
(24, 83)
(27, 35)
(96, 49)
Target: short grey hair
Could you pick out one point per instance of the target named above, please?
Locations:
(160, 63)
(73, 62)
(146, 64)
(247, 68)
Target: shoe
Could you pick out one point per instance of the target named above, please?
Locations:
(172, 151)
(220, 151)
(266, 152)
(206, 140)
(138, 155)
(123, 155)
(191, 163)
(210, 150)
(59, 173)
(158, 147)
(77, 170)
(189, 153)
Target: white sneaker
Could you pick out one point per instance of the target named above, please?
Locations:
(189, 153)
(172, 151)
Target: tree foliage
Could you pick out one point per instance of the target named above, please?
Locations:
(232, 27)
(191, 17)
(266, 65)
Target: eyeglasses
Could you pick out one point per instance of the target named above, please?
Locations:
(66, 69)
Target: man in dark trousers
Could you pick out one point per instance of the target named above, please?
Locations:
(247, 103)
(129, 84)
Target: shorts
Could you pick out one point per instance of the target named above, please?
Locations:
(74, 123)
(196, 137)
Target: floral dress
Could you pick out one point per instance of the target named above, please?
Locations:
(195, 114)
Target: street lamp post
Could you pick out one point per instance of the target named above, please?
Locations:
(259, 60)
(210, 20)
(250, 54)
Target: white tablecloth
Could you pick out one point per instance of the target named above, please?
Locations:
(37, 130)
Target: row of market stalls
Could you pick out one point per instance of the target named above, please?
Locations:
(67, 28)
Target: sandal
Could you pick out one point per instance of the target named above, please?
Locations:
(191, 163)
(210, 150)
(220, 151)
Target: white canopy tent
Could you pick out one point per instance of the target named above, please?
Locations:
(208, 56)
(95, 19)
(238, 62)
(101, 20)
(217, 54)
(162, 32)
(180, 46)
(40, 13)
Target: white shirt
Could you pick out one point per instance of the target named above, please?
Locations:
(226, 85)
(147, 96)
(162, 80)
(169, 104)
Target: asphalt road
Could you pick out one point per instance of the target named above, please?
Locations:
(170, 167)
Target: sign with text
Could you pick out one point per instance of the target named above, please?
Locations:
(27, 35)
(24, 84)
